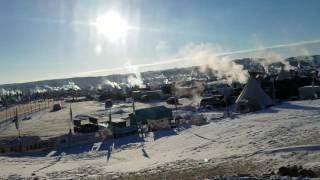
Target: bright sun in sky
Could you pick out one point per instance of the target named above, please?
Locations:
(112, 26)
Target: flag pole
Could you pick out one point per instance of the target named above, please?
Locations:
(70, 124)
(17, 123)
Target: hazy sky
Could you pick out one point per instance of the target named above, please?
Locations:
(53, 39)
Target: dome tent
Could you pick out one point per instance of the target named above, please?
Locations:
(252, 97)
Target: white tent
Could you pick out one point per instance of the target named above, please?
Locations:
(252, 97)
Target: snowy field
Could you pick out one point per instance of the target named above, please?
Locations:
(46, 124)
(260, 142)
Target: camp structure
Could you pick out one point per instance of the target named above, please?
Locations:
(147, 95)
(124, 128)
(309, 92)
(158, 117)
(252, 97)
(85, 124)
(283, 75)
(56, 107)
(185, 91)
(214, 101)
(285, 86)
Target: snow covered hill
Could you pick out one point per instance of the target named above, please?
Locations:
(288, 133)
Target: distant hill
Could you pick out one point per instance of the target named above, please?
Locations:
(149, 76)
(82, 82)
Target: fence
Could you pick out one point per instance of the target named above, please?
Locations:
(8, 115)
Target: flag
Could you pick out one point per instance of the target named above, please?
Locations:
(70, 113)
(71, 120)
(71, 125)
(16, 120)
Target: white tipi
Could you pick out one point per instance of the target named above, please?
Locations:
(252, 97)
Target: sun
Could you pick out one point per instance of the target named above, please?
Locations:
(112, 26)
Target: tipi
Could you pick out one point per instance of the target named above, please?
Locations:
(252, 97)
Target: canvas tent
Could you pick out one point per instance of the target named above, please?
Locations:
(252, 97)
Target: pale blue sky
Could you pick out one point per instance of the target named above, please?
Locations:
(53, 39)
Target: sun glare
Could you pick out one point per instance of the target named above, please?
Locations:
(112, 26)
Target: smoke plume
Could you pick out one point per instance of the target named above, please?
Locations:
(134, 79)
(223, 66)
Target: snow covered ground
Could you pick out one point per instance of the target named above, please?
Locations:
(286, 134)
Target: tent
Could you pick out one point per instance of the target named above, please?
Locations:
(252, 97)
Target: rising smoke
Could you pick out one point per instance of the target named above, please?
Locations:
(223, 66)
(107, 84)
(134, 78)
(6, 92)
(267, 58)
